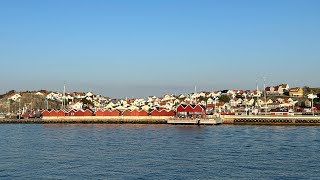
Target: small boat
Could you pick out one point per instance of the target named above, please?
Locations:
(26, 114)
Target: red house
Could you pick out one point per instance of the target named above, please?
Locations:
(83, 113)
(163, 113)
(108, 113)
(135, 113)
(71, 112)
(53, 113)
(45, 113)
(191, 111)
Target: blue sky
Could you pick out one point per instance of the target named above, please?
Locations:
(138, 48)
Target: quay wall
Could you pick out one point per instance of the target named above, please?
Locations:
(93, 119)
(271, 120)
(236, 120)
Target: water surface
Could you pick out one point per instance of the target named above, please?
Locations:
(35, 151)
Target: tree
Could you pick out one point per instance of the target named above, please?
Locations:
(306, 88)
(224, 98)
(203, 99)
(86, 101)
(286, 93)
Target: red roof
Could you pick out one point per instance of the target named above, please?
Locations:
(189, 108)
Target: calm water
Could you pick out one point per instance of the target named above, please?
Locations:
(158, 152)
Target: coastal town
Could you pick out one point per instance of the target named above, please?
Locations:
(279, 100)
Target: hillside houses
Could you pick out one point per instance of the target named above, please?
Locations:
(277, 90)
(235, 101)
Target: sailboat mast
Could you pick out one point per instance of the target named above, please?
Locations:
(195, 92)
(63, 97)
(265, 95)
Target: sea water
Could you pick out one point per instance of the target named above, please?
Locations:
(78, 151)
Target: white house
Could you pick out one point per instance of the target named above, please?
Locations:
(210, 101)
(256, 94)
(181, 96)
(269, 101)
(145, 108)
(277, 90)
(239, 101)
(167, 98)
(139, 102)
(131, 108)
(77, 105)
(233, 102)
(216, 94)
(89, 94)
(201, 94)
(39, 94)
(15, 97)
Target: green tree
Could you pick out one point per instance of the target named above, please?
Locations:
(203, 99)
(224, 98)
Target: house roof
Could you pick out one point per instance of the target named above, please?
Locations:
(283, 85)
(295, 89)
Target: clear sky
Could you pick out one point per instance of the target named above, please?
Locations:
(137, 48)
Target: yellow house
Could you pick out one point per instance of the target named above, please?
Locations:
(296, 92)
